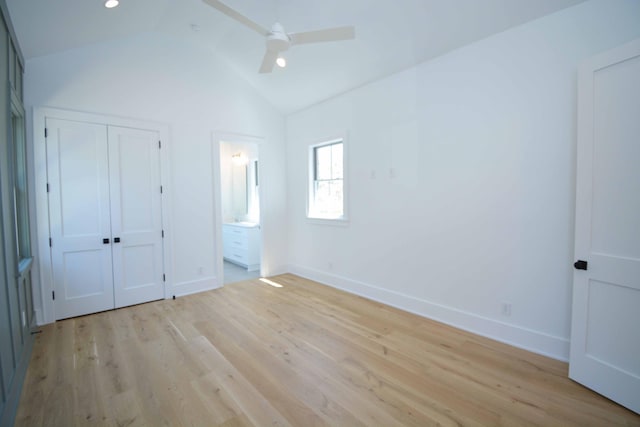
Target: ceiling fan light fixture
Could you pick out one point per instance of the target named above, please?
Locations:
(110, 4)
(278, 40)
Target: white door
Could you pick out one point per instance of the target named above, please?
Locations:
(136, 222)
(77, 160)
(105, 216)
(605, 331)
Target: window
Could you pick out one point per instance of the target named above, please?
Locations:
(326, 180)
(20, 195)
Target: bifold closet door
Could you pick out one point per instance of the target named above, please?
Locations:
(105, 216)
(136, 221)
(79, 215)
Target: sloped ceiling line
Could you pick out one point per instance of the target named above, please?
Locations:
(390, 36)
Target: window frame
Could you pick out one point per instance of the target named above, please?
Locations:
(311, 213)
(20, 181)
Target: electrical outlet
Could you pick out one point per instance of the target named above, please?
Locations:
(506, 309)
(200, 271)
(330, 265)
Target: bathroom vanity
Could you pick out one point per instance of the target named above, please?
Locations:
(241, 244)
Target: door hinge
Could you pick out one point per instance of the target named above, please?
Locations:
(53, 294)
(47, 187)
(159, 144)
(50, 242)
(164, 277)
(163, 234)
(45, 132)
(161, 190)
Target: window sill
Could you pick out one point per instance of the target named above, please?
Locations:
(336, 222)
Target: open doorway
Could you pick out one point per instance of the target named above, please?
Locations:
(240, 231)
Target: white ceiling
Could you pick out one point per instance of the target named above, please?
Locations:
(391, 35)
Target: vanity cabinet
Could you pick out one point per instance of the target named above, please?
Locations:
(241, 245)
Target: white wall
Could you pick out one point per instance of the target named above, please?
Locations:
(162, 79)
(461, 177)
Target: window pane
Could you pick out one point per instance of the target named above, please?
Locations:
(336, 198)
(21, 202)
(12, 65)
(336, 161)
(323, 162)
(328, 198)
(322, 196)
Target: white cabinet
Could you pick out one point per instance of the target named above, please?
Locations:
(241, 245)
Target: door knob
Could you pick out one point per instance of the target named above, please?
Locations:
(580, 265)
(116, 240)
(105, 241)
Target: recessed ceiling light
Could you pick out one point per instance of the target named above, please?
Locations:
(281, 62)
(109, 4)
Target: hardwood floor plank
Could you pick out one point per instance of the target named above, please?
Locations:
(335, 338)
(242, 391)
(219, 403)
(331, 338)
(250, 354)
(296, 373)
(124, 410)
(258, 368)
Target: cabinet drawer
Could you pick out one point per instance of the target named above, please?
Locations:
(233, 240)
(237, 256)
(236, 231)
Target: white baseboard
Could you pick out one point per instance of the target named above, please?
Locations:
(274, 271)
(193, 287)
(38, 315)
(517, 336)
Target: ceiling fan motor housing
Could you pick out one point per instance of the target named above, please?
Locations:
(277, 39)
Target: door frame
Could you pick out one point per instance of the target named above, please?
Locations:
(232, 137)
(43, 265)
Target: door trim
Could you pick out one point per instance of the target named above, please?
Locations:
(216, 138)
(43, 273)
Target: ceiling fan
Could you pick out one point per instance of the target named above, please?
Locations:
(278, 40)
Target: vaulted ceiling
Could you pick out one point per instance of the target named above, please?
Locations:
(390, 35)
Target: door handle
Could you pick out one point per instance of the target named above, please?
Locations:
(105, 241)
(116, 240)
(580, 265)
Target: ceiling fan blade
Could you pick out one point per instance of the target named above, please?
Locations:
(237, 16)
(328, 35)
(268, 61)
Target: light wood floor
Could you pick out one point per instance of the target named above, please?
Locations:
(301, 355)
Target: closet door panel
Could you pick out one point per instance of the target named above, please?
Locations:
(134, 157)
(77, 159)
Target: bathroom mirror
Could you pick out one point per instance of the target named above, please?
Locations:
(239, 182)
(239, 190)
